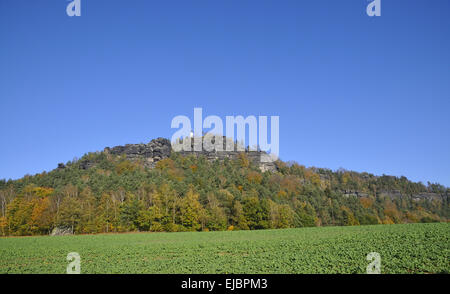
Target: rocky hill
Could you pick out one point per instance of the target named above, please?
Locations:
(161, 148)
(150, 187)
(157, 149)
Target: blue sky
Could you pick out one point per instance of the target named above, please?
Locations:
(362, 93)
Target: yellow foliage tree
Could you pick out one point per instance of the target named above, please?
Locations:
(41, 216)
(3, 225)
(366, 202)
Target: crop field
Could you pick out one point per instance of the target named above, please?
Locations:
(408, 248)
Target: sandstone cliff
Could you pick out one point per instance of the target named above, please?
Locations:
(161, 148)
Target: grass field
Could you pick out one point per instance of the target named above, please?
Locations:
(409, 248)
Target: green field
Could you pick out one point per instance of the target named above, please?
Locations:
(408, 248)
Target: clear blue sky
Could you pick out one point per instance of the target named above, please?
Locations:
(365, 94)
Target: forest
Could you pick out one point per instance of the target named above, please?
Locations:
(190, 193)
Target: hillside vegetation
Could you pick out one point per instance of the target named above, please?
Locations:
(189, 193)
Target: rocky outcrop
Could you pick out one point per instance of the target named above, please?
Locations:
(86, 164)
(253, 156)
(161, 148)
(348, 193)
(430, 196)
(61, 231)
(151, 153)
(395, 194)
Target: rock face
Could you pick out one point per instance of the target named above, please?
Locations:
(430, 196)
(161, 148)
(85, 164)
(397, 194)
(152, 152)
(61, 231)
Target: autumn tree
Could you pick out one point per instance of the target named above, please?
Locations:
(191, 212)
(256, 213)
